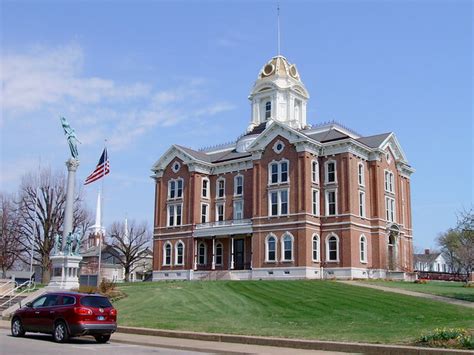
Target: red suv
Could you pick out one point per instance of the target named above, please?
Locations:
(67, 314)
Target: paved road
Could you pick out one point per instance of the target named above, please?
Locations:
(124, 344)
(43, 345)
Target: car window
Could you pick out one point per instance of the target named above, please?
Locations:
(51, 300)
(39, 302)
(68, 300)
(95, 301)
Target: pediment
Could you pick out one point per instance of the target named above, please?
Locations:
(172, 153)
(391, 143)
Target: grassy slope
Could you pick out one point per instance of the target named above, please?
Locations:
(441, 288)
(301, 309)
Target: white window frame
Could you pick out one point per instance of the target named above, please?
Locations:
(363, 249)
(222, 253)
(361, 174)
(236, 177)
(206, 219)
(267, 249)
(265, 110)
(326, 172)
(205, 192)
(279, 164)
(176, 189)
(174, 207)
(326, 200)
(389, 181)
(361, 198)
(314, 171)
(219, 180)
(315, 202)
(390, 209)
(235, 209)
(279, 202)
(180, 242)
(199, 255)
(316, 239)
(328, 252)
(165, 263)
(217, 211)
(292, 250)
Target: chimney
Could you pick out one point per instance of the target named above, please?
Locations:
(427, 251)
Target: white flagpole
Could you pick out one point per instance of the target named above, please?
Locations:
(102, 230)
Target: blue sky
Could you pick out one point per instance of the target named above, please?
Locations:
(147, 74)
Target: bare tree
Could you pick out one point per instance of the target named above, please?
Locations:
(42, 200)
(10, 247)
(130, 240)
(457, 244)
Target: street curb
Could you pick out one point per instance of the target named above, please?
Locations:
(365, 348)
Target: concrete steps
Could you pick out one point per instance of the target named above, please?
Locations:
(14, 301)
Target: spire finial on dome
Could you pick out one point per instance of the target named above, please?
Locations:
(278, 26)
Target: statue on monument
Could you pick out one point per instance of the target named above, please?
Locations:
(68, 247)
(57, 244)
(77, 238)
(71, 138)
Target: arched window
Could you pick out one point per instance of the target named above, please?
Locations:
(330, 172)
(360, 174)
(363, 248)
(220, 188)
(268, 110)
(238, 185)
(167, 254)
(219, 252)
(332, 247)
(316, 247)
(287, 247)
(202, 253)
(271, 248)
(314, 172)
(205, 188)
(179, 253)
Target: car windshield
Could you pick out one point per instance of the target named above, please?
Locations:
(95, 301)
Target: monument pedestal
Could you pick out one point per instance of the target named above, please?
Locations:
(65, 274)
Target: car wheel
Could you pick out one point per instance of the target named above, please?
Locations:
(17, 328)
(101, 339)
(60, 334)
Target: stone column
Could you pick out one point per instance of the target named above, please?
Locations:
(72, 165)
(213, 266)
(195, 254)
(232, 253)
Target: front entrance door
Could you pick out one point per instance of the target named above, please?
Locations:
(238, 254)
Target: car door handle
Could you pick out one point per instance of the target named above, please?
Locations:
(37, 312)
(51, 312)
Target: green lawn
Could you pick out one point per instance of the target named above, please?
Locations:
(441, 288)
(323, 310)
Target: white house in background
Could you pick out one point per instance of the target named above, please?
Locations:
(430, 262)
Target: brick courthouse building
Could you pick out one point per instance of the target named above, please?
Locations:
(286, 200)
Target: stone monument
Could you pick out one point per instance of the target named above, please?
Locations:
(65, 257)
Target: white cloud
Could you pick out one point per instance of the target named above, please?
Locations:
(53, 79)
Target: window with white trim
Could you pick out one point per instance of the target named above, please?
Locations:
(268, 110)
(220, 188)
(361, 174)
(389, 181)
(362, 203)
(202, 253)
(219, 253)
(167, 254)
(238, 185)
(219, 212)
(204, 213)
(330, 171)
(315, 202)
(205, 188)
(363, 248)
(390, 209)
(175, 188)
(270, 244)
(174, 215)
(314, 172)
(179, 252)
(278, 172)
(287, 247)
(239, 209)
(316, 248)
(331, 202)
(332, 247)
(278, 202)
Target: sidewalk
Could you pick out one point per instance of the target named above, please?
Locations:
(240, 344)
(412, 293)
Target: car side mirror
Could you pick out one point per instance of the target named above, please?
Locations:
(28, 304)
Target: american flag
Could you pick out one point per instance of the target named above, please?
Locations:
(101, 169)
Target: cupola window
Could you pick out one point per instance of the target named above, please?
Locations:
(268, 110)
